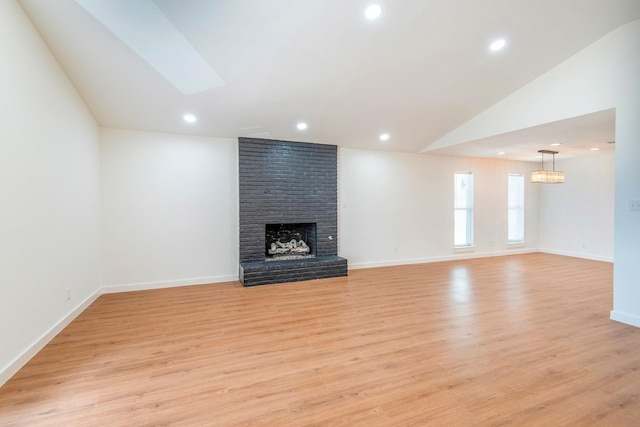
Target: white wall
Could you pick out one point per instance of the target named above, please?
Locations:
(397, 208)
(576, 218)
(601, 76)
(49, 191)
(169, 210)
(626, 269)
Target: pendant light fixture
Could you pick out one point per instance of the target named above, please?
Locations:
(543, 176)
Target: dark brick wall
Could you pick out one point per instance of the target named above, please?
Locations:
(287, 182)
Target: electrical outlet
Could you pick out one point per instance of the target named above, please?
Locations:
(68, 294)
(634, 205)
(395, 249)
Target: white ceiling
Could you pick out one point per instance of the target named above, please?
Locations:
(419, 71)
(577, 136)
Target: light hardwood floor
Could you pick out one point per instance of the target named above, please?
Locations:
(520, 340)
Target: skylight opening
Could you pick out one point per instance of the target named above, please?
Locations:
(143, 27)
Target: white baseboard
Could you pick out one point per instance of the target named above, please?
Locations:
(456, 256)
(577, 255)
(111, 289)
(22, 360)
(626, 318)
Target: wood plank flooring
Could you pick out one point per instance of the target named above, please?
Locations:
(515, 340)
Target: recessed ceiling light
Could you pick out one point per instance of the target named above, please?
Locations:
(301, 126)
(595, 149)
(384, 137)
(373, 11)
(555, 144)
(190, 118)
(497, 45)
(501, 153)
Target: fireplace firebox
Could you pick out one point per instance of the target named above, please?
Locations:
(290, 241)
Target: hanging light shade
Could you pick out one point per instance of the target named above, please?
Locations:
(543, 176)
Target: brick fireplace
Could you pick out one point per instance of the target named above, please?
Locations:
(288, 212)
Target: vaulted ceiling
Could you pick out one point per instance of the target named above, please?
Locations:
(418, 71)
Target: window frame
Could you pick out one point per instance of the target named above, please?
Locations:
(515, 207)
(463, 203)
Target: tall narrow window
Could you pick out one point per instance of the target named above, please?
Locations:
(463, 209)
(515, 204)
